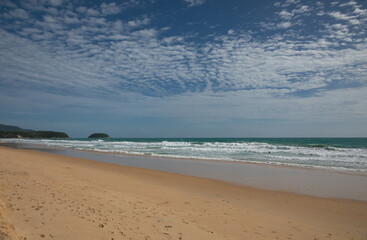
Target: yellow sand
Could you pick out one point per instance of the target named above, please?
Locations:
(7, 230)
(54, 197)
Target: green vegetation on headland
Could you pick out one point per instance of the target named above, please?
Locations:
(99, 135)
(8, 131)
(35, 134)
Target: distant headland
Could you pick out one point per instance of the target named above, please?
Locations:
(99, 135)
(9, 131)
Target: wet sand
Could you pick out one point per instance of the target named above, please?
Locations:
(48, 196)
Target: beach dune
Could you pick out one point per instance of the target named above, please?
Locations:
(48, 196)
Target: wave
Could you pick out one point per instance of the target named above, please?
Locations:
(315, 155)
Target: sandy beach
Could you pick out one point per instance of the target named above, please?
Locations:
(47, 196)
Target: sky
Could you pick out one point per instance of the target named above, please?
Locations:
(185, 68)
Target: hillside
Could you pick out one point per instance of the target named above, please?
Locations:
(9, 131)
(10, 128)
(35, 134)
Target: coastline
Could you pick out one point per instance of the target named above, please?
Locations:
(345, 155)
(51, 149)
(308, 181)
(56, 197)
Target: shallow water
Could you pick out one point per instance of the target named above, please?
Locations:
(328, 153)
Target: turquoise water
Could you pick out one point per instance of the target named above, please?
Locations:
(331, 153)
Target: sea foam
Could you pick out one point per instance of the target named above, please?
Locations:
(293, 152)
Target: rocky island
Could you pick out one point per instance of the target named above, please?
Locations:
(99, 135)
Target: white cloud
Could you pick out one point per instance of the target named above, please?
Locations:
(92, 12)
(145, 33)
(114, 56)
(195, 2)
(55, 2)
(351, 3)
(172, 40)
(301, 9)
(165, 28)
(82, 9)
(340, 16)
(284, 25)
(139, 22)
(290, 3)
(362, 12)
(293, 1)
(354, 22)
(7, 3)
(334, 3)
(134, 3)
(352, 19)
(52, 11)
(290, 15)
(284, 14)
(17, 13)
(71, 20)
(28, 31)
(110, 8)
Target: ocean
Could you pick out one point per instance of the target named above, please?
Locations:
(329, 153)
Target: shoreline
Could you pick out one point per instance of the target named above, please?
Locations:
(342, 170)
(307, 181)
(231, 161)
(38, 146)
(56, 197)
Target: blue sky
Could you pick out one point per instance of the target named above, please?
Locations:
(185, 68)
